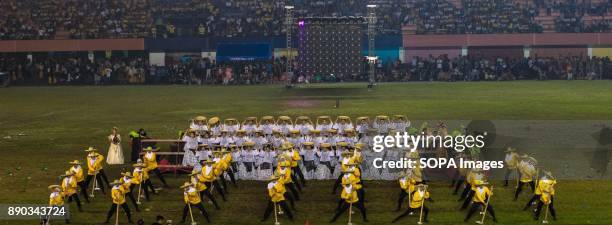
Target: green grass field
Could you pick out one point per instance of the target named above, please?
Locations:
(42, 128)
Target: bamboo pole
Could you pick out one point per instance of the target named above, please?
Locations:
(484, 211)
(139, 188)
(275, 215)
(350, 212)
(117, 216)
(422, 205)
(191, 213)
(93, 186)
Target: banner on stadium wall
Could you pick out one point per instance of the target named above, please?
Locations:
(157, 59)
(602, 52)
(209, 55)
(385, 55)
(243, 51)
(284, 52)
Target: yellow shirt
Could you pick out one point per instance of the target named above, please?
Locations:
(512, 160)
(208, 174)
(344, 163)
(198, 181)
(295, 157)
(546, 190)
(69, 186)
(527, 172)
(349, 194)
(417, 199)
(276, 191)
(139, 175)
(125, 186)
(351, 179)
(481, 194)
(285, 175)
(118, 195)
(78, 173)
(56, 199)
(150, 160)
(407, 184)
(191, 196)
(94, 164)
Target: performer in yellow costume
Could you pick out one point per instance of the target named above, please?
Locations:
(417, 199)
(349, 198)
(192, 199)
(118, 197)
(480, 201)
(79, 174)
(95, 168)
(69, 189)
(276, 191)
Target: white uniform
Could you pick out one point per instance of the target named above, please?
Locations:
(189, 158)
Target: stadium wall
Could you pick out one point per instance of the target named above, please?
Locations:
(72, 45)
(508, 45)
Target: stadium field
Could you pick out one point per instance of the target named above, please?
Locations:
(43, 128)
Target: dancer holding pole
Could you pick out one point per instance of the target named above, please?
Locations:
(481, 198)
(417, 202)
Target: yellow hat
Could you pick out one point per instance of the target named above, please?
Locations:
(359, 146)
(150, 148)
(91, 149)
(116, 182)
(54, 186)
(332, 131)
(342, 144)
(241, 131)
(284, 118)
(75, 162)
(315, 131)
(200, 118)
(249, 144)
(325, 145)
(362, 118)
(126, 174)
(213, 120)
(186, 185)
(308, 143)
(294, 131)
(68, 173)
(208, 161)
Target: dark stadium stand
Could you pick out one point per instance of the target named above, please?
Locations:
(61, 19)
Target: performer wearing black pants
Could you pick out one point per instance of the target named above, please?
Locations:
(192, 199)
(480, 200)
(150, 161)
(118, 196)
(348, 197)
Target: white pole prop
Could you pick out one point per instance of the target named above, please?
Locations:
(190, 213)
(350, 212)
(422, 205)
(93, 186)
(546, 214)
(275, 215)
(117, 216)
(139, 188)
(484, 211)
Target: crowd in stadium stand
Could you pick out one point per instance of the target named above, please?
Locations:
(136, 70)
(48, 19)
